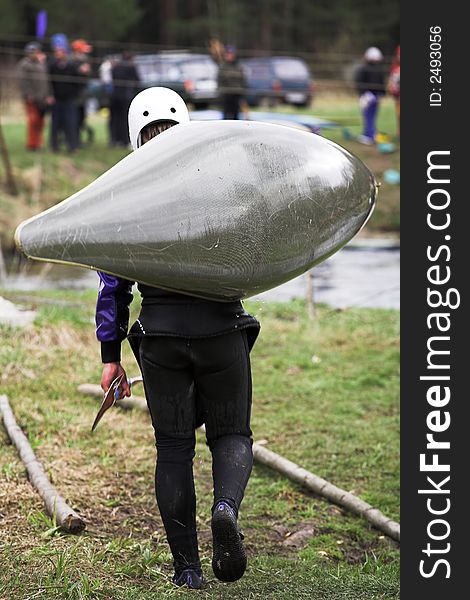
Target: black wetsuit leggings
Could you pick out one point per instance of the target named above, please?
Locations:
(188, 382)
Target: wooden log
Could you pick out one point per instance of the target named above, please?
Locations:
(292, 471)
(56, 506)
(310, 300)
(324, 488)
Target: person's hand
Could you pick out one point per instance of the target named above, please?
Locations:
(110, 372)
(365, 99)
(84, 68)
(50, 100)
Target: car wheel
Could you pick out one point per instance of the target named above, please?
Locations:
(305, 104)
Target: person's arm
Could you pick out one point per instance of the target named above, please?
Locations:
(221, 80)
(136, 78)
(112, 321)
(22, 77)
(381, 84)
(243, 81)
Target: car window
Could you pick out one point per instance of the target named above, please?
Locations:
(148, 72)
(257, 70)
(290, 69)
(148, 68)
(166, 68)
(199, 69)
(170, 72)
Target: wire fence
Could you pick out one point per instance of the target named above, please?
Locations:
(332, 72)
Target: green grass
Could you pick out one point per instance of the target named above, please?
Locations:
(325, 396)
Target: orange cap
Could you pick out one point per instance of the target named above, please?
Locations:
(81, 46)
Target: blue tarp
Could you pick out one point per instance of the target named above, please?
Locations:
(313, 124)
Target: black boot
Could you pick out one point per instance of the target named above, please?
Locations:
(228, 557)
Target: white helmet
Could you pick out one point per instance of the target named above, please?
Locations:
(155, 104)
(373, 54)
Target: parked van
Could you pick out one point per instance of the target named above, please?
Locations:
(193, 76)
(276, 79)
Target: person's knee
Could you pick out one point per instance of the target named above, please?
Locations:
(175, 449)
(233, 442)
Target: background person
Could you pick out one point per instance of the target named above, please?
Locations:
(125, 85)
(195, 360)
(65, 81)
(106, 78)
(36, 93)
(81, 50)
(393, 86)
(370, 85)
(231, 83)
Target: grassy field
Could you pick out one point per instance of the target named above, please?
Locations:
(44, 179)
(325, 396)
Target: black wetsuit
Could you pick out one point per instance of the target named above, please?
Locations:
(195, 359)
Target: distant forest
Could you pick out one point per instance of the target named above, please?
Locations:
(315, 27)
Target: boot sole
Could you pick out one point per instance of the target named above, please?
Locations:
(229, 557)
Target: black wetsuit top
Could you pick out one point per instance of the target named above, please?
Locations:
(163, 313)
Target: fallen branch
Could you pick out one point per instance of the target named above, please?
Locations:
(292, 471)
(56, 506)
(327, 490)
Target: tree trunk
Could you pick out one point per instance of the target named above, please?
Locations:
(11, 186)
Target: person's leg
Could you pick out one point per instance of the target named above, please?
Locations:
(169, 390)
(236, 107)
(228, 108)
(176, 498)
(122, 130)
(33, 121)
(232, 461)
(55, 126)
(27, 106)
(61, 122)
(80, 123)
(223, 385)
(370, 115)
(125, 130)
(39, 128)
(112, 123)
(71, 125)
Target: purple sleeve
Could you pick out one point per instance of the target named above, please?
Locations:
(112, 315)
